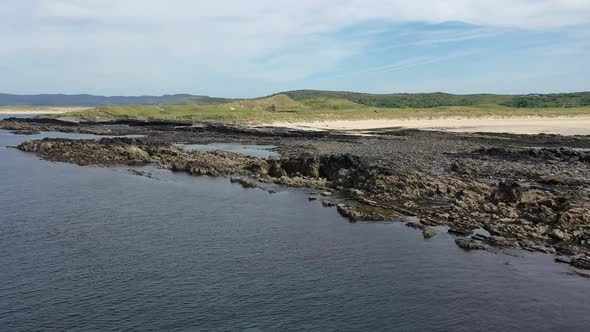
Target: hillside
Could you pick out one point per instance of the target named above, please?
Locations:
(312, 99)
(438, 99)
(91, 100)
(281, 108)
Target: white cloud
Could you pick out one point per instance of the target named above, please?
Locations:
(268, 40)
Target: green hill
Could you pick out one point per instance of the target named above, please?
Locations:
(283, 103)
(438, 99)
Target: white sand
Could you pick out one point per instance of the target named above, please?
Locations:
(578, 125)
(41, 110)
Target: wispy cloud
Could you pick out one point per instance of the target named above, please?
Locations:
(420, 61)
(131, 46)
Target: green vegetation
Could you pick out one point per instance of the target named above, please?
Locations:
(427, 100)
(281, 108)
(203, 101)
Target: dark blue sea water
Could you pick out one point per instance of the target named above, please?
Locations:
(99, 249)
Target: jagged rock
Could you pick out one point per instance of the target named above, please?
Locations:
(306, 165)
(275, 169)
(356, 192)
(557, 234)
(501, 242)
(460, 230)
(567, 248)
(494, 241)
(300, 182)
(356, 213)
(531, 246)
(469, 244)
(575, 216)
(415, 225)
(328, 203)
(26, 132)
(429, 222)
(563, 260)
(428, 233)
(244, 182)
(516, 194)
(581, 262)
(482, 191)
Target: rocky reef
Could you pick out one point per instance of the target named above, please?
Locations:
(537, 199)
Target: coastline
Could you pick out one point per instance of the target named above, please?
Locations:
(562, 125)
(491, 191)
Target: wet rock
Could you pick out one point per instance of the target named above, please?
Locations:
(531, 246)
(469, 244)
(305, 165)
(328, 203)
(312, 198)
(87, 152)
(460, 230)
(358, 213)
(275, 169)
(348, 212)
(581, 262)
(327, 193)
(248, 184)
(299, 182)
(532, 204)
(580, 274)
(141, 173)
(355, 192)
(415, 225)
(569, 249)
(26, 132)
(494, 241)
(501, 242)
(563, 260)
(429, 222)
(428, 233)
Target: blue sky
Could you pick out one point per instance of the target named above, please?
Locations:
(236, 48)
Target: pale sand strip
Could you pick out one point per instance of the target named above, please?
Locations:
(578, 125)
(42, 110)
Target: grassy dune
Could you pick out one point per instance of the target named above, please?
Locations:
(281, 108)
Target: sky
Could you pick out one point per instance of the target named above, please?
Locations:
(241, 48)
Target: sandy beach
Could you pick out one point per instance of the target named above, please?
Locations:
(579, 125)
(41, 110)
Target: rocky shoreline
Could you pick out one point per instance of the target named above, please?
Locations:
(490, 190)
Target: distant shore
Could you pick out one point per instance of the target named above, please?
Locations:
(563, 125)
(41, 109)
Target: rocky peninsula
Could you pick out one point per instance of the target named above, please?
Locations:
(490, 190)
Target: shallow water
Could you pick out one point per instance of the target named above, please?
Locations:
(84, 248)
(260, 151)
(9, 139)
(6, 116)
